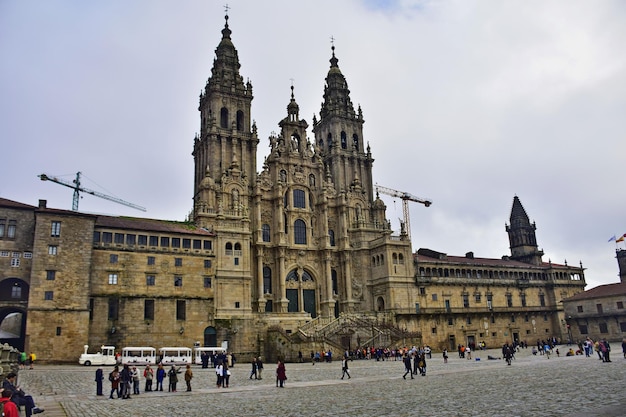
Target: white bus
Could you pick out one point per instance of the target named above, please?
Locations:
(211, 351)
(175, 355)
(142, 355)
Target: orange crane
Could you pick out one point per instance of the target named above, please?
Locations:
(405, 197)
(75, 185)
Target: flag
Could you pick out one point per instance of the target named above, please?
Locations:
(620, 239)
(612, 238)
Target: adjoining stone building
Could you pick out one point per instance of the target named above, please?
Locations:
(296, 256)
(599, 312)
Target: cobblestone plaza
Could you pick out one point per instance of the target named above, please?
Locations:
(532, 386)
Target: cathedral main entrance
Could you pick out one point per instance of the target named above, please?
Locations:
(300, 292)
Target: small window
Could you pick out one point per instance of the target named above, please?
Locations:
(151, 260)
(52, 250)
(433, 330)
(579, 309)
(469, 320)
(58, 331)
(207, 263)
(450, 321)
(178, 261)
(113, 258)
(176, 242)
(113, 308)
(15, 262)
(178, 281)
(422, 290)
(331, 235)
(477, 297)
(434, 297)
(96, 237)
(107, 237)
(112, 279)
(2, 227)
(509, 300)
(11, 229)
(265, 230)
(583, 329)
(197, 244)
(466, 303)
(119, 238)
(142, 240)
(165, 242)
(237, 304)
(16, 291)
(154, 241)
(181, 310)
(48, 295)
(208, 245)
(620, 305)
(236, 261)
(131, 240)
(186, 243)
(55, 229)
(207, 282)
(50, 275)
(148, 310)
(150, 280)
(603, 328)
(599, 308)
(299, 232)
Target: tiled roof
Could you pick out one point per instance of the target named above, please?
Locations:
(14, 204)
(164, 226)
(430, 256)
(599, 292)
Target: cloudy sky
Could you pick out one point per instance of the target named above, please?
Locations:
(467, 103)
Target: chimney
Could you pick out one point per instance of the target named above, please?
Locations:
(42, 204)
(469, 255)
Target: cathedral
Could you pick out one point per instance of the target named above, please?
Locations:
(295, 256)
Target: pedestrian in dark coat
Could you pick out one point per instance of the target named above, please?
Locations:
(407, 366)
(281, 375)
(99, 379)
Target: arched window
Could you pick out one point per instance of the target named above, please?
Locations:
(299, 232)
(286, 200)
(239, 120)
(329, 141)
(344, 141)
(331, 235)
(267, 280)
(401, 259)
(299, 199)
(224, 118)
(229, 249)
(292, 276)
(237, 246)
(333, 277)
(265, 229)
(394, 258)
(355, 141)
(306, 276)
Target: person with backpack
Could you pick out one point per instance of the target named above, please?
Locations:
(114, 378)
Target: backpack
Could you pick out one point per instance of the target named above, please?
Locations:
(111, 377)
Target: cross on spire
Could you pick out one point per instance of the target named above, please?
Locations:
(226, 8)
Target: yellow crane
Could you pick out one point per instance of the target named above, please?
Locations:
(405, 197)
(75, 185)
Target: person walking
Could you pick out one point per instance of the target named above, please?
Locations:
(125, 381)
(188, 377)
(281, 375)
(259, 367)
(254, 369)
(344, 368)
(445, 355)
(225, 375)
(218, 373)
(99, 379)
(407, 365)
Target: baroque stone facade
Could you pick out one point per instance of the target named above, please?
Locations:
(296, 256)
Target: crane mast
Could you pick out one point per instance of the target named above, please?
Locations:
(405, 197)
(75, 185)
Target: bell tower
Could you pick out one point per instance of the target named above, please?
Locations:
(522, 236)
(227, 142)
(339, 135)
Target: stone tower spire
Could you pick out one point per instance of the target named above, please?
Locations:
(621, 263)
(339, 134)
(522, 239)
(227, 139)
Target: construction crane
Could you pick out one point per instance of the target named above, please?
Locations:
(75, 185)
(405, 197)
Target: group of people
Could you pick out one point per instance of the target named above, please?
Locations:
(14, 397)
(122, 381)
(415, 362)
